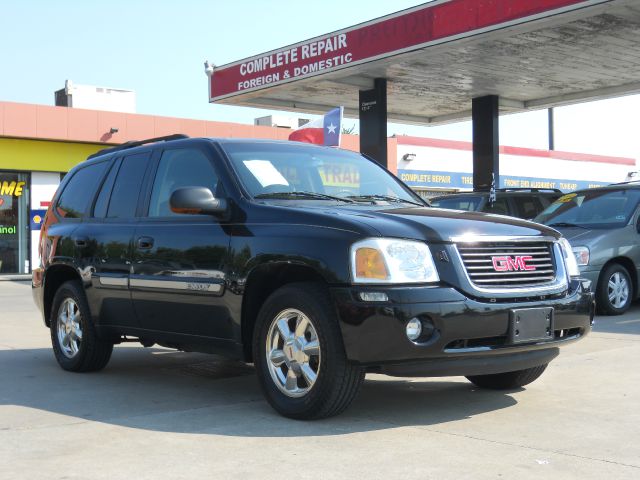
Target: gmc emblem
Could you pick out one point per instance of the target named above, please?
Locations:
(509, 264)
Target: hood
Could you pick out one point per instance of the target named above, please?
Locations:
(435, 224)
(578, 235)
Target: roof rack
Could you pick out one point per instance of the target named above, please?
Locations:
(525, 189)
(137, 143)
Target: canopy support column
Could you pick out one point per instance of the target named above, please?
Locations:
(486, 161)
(373, 121)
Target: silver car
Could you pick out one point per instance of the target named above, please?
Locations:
(603, 227)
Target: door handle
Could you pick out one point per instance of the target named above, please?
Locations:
(81, 241)
(145, 243)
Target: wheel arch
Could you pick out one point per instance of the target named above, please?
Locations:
(262, 281)
(54, 277)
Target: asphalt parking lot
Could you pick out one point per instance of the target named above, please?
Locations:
(155, 413)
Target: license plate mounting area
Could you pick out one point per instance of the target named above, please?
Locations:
(528, 325)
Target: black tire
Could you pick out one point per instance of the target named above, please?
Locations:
(92, 353)
(604, 305)
(508, 380)
(338, 381)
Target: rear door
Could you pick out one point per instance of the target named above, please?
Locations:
(178, 272)
(106, 239)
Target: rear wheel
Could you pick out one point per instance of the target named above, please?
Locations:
(299, 355)
(508, 380)
(73, 337)
(615, 290)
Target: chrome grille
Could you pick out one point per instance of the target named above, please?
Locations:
(508, 265)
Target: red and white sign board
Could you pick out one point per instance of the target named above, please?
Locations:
(412, 29)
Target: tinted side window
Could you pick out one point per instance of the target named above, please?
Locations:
(180, 168)
(466, 202)
(499, 207)
(102, 202)
(77, 196)
(124, 197)
(528, 206)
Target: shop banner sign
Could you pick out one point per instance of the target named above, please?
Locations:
(410, 30)
(426, 178)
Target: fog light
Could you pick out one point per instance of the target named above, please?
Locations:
(414, 329)
(373, 297)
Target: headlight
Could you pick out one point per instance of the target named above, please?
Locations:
(388, 260)
(569, 258)
(582, 255)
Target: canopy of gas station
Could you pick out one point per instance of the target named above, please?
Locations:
(449, 60)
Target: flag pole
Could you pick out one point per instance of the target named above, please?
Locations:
(340, 127)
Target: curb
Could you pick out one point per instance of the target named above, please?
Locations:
(14, 278)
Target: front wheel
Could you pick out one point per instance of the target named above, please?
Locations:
(299, 355)
(76, 346)
(615, 290)
(508, 380)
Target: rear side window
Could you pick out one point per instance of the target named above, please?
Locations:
(124, 197)
(102, 202)
(470, 203)
(527, 206)
(77, 196)
(180, 168)
(499, 207)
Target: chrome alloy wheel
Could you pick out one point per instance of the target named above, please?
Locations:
(69, 329)
(618, 290)
(293, 353)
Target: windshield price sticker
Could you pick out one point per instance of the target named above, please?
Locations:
(265, 173)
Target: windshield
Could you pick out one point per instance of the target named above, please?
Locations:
(304, 172)
(591, 209)
(471, 203)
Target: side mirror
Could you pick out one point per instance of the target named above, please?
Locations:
(197, 201)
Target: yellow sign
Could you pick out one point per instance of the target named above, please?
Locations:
(566, 198)
(11, 188)
(336, 175)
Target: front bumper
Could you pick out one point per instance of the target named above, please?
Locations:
(591, 273)
(469, 337)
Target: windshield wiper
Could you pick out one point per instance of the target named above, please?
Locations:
(299, 194)
(387, 198)
(565, 224)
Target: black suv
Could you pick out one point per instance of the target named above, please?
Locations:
(524, 203)
(315, 264)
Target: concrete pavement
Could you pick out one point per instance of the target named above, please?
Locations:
(156, 413)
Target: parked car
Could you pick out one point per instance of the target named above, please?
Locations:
(603, 225)
(523, 203)
(315, 264)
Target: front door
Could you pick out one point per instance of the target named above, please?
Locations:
(178, 272)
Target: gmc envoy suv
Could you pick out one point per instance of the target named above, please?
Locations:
(315, 264)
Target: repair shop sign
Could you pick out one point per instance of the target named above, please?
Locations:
(400, 32)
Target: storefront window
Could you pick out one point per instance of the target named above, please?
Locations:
(14, 223)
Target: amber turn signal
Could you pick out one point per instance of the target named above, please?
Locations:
(370, 264)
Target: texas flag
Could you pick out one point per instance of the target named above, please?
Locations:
(321, 131)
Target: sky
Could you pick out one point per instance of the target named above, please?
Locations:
(158, 49)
